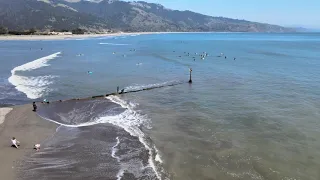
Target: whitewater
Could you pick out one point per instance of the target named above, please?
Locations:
(33, 87)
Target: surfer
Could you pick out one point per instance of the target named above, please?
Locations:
(234, 59)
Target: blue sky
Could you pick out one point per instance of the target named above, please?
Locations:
(304, 13)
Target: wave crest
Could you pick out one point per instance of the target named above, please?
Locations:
(114, 44)
(33, 87)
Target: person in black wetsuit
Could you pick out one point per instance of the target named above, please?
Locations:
(34, 106)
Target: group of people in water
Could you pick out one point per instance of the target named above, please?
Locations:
(203, 55)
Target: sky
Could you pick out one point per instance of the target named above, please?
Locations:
(293, 13)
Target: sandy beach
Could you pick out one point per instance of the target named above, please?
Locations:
(62, 37)
(22, 123)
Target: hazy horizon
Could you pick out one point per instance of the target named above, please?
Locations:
(287, 13)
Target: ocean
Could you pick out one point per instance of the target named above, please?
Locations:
(251, 113)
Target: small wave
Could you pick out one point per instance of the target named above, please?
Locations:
(114, 44)
(114, 150)
(150, 86)
(33, 87)
(113, 154)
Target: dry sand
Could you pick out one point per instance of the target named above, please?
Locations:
(62, 37)
(24, 124)
(3, 113)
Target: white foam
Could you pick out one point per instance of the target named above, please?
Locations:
(120, 174)
(113, 154)
(145, 86)
(157, 157)
(130, 121)
(33, 87)
(114, 44)
(114, 150)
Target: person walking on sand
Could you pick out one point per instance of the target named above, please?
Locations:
(34, 106)
(15, 143)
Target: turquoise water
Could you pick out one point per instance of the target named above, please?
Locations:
(252, 117)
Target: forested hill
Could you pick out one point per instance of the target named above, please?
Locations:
(117, 15)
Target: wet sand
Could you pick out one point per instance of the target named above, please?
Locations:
(94, 151)
(29, 129)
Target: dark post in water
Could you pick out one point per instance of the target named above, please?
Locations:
(117, 89)
(190, 79)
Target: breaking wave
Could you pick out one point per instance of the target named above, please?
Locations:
(134, 88)
(114, 44)
(33, 87)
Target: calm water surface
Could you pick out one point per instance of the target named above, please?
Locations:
(251, 113)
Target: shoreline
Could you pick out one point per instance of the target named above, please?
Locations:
(84, 36)
(71, 37)
(24, 124)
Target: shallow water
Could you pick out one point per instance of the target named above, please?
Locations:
(253, 117)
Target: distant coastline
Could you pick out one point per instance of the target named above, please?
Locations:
(81, 36)
(65, 37)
